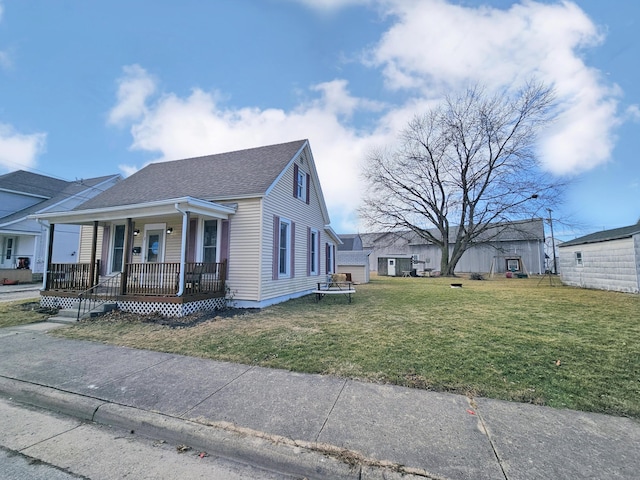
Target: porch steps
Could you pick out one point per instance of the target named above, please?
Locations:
(69, 315)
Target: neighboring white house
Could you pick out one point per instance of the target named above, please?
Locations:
(251, 224)
(23, 239)
(517, 246)
(606, 260)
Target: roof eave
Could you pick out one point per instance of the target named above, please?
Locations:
(140, 210)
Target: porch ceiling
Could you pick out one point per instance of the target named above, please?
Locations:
(142, 210)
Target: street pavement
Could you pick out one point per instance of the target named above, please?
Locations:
(41, 445)
(311, 426)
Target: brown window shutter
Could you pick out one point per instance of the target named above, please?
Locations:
(225, 238)
(293, 250)
(276, 256)
(295, 180)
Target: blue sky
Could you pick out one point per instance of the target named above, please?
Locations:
(95, 88)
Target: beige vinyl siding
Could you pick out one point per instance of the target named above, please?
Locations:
(244, 250)
(282, 203)
(86, 241)
(172, 241)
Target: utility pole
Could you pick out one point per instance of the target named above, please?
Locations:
(553, 244)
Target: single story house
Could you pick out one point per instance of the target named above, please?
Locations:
(606, 260)
(514, 246)
(250, 227)
(23, 239)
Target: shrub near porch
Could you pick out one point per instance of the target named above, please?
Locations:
(513, 339)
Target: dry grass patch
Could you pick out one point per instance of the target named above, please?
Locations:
(22, 312)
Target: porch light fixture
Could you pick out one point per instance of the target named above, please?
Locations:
(169, 230)
(136, 232)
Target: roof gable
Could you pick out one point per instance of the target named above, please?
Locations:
(239, 174)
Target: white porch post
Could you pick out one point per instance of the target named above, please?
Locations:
(183, 248)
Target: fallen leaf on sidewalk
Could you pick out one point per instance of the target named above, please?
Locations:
(183, 448)
(203, 454)
(470, 412)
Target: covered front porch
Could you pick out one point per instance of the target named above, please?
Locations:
(170, 258)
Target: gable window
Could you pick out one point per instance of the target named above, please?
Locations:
(301, 185)
(301, 181)
(210, 241)
(578, 257)
(284, 234)
(313, 252)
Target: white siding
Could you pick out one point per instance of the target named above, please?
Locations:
(610, 265)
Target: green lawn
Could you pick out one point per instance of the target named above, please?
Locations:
(513, 339)
(21, 312)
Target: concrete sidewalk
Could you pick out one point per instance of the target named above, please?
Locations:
(10, 293)
(311, 425)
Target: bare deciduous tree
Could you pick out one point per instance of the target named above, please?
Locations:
(470, 162)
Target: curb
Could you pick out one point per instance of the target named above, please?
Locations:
(239, 445)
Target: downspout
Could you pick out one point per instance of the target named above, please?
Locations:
(45, 225)
(183, 249)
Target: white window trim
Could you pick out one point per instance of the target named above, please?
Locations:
(154, 226)
(112, 244)
(287, 273)
(200, 239)
(315, 246)
(330, 259)
(302, 185)
(579, 259)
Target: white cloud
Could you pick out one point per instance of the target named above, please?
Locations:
(633, 113)
(134, 87)
(432, 47)
(19, 151)
(181, 127)
(436, 46)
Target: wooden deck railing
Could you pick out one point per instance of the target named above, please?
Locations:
(74, 277)
(204, 277)
(163, 278)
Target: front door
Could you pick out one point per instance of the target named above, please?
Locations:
(155, 247)
(391, 267)
(8, 252)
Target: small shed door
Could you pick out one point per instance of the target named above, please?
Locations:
(391, 267)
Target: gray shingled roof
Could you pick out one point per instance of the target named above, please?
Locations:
(32, 183)
(229, 175)
(69, 189)
(604, 235)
